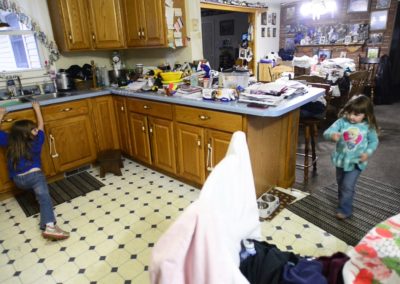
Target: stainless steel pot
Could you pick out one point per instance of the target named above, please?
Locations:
(63, 81)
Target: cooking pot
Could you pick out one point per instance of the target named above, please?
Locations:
(63, 81)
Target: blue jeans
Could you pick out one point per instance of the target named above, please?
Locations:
(346, 186)
(36, 181)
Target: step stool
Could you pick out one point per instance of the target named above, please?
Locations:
(110, 161)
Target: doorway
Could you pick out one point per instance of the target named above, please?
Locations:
(222, 33)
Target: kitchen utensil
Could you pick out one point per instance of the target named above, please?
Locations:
(63, 81)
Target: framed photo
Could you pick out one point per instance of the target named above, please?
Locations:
(322, 40)
(343, 54)
(263, 32)
(269, 18)
(264, 18)
(375, 38)
(373, 52)
(226, 27)
(347, 39)
(378, 20)
(383, 4)
(324, 54)
(268, 32)
(273, 32)
(290, 11)
(273, 21)
(357, 6)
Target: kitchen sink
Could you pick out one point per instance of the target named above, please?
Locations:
(11, 102)
(45, 97)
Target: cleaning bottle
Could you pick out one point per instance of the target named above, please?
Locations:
(248, 249)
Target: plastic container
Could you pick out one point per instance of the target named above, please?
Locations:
(247, 249)
(234, 79)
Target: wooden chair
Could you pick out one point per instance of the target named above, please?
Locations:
(358, 81)
(264, 72)
(310, 79)
(310, 126)
(278, 70)
(370, 65)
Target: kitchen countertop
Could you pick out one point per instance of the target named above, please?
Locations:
(235, 107)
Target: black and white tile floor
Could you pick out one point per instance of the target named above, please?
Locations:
(114, 229)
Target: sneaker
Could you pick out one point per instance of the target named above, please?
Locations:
(55, 233)
(340, 216)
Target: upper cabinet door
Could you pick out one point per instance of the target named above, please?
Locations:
(144, 22)
(70, 24)
(107, 28)
(154, 23)
(133, 10)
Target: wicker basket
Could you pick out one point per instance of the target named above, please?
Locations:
(83, 85)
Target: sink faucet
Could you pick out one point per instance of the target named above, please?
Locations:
(21, 89)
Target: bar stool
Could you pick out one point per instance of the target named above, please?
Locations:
(310, 126)
(110, 161)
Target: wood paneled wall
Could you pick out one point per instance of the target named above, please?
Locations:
(341, 16)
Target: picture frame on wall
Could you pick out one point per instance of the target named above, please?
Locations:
(375, 38)
(290, 11)
(226, 27)
(324, 54)
(382, 4)
(357, 6)
(273, 32)
(378, 20)
(347, 39)
(273, 21)
(262, 32)
(373, 52)
(264, 18)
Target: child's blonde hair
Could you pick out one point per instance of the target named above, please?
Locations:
(361, 104)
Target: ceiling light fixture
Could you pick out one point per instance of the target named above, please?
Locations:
(316, 8)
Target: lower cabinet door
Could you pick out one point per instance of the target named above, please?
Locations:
(162, 144)
(139, 137)
(217, 146)
(71, 142)
(190, 140)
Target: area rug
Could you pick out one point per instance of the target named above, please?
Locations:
(374, 202)
(284, 200)
(60, 191)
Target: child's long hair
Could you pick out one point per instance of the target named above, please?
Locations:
(20, 141)
(361, 104)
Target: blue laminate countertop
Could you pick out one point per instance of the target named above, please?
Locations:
(234, 107)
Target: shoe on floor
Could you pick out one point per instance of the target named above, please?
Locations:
(341, 216)
(55, 233)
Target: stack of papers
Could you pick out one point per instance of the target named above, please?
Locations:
(272, 94)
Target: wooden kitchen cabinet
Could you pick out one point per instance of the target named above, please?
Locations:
(152, 133)
(106, 22)
(87, 24)
(144, 22)
(70, 22)
(70, 135)
(104, 122)
(121, 116)
(207, 134)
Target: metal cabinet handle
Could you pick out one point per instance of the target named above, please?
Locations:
(67, 109)
(122, 108)
(53, 143)
(143, 128)
(93, 37)
(151, 129)
(146, 107)
(139, 34)
(199, 142)
(210, 166)
(204, 117)
(70, 36)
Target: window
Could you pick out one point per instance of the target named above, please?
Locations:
(19, 50)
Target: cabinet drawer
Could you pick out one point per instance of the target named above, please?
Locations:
(209, 118)
(64, 110)
(157, 109)
(12, 117)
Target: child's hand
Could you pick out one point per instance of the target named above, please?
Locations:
(35, 105)
(3, 111)
(335, 137)
(363, 157)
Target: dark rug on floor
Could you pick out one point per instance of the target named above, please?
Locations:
(374, 202)
(284, 200)
(60, 191)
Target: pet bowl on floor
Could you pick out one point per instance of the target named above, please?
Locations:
(267, 204)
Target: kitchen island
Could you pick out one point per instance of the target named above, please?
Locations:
(187, 137)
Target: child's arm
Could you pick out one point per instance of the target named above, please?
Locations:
(3, 112)
(333, 132)
(373, 142)
(39, 117)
